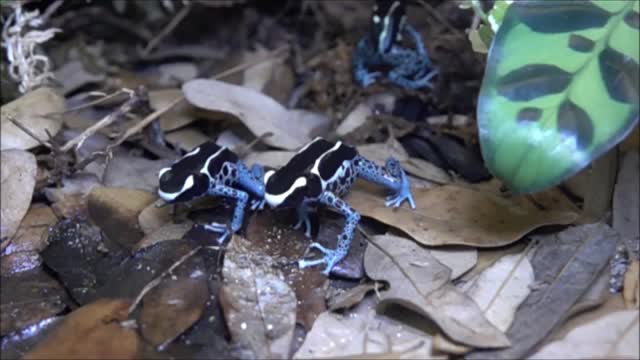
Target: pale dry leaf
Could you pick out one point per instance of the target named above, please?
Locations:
(257, 76)
(500, 289)
(29, 110)
(291, 129)
(18, 181)
(351, 297)
(272, 159)
(362, 334)
(614, 335)
(425, 170)
(178, 116)
(453, 215)
(358, 116)
(259, 306)
(459, 259)
(418, 281)
(187, 138)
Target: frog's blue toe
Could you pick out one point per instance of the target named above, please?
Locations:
(331, 258)
(366, 78)
(221, 229)
(257, 204)
(403, 193)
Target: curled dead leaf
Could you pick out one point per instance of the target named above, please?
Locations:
(450, 215)
(30, 110)
(291, 129)
(18, 181)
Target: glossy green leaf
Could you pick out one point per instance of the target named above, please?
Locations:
(560, 88)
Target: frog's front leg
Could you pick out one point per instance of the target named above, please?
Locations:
(253, 182)
(332, 257)
(391, 177)
(308, 217)
(238, 213)
(417, 40)
(362, 56)
(399, 77)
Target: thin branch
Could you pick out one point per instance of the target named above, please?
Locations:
(28, 132)
(153, 283)
(94, 102)
(167, 30)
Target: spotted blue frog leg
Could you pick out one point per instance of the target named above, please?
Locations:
(391, 177)
(332, 257)
(362, 56)
(253, 182)
(241, 198)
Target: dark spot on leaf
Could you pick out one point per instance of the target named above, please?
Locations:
(533, 81)
(563, 16)
(530, 114)
(620, 75)
(632, 19)
(573, 120)
(580, 43)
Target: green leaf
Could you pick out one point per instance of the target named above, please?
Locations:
(560, 88)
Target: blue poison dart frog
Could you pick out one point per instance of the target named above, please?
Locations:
(213, 170)
(382, 50)
(320, 174)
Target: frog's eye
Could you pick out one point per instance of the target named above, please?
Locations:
(162, 172)
(267, 175)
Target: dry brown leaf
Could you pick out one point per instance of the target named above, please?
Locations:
(115, 211)
(172, 307)
(164, 233)
(93, 331)
(187, 138)
(351, 297)
(631, 289)
(18, 180)
(29, 110)
(154, 217)
(259, 306)
(178, 116)
(418, 281)
(614, 335)
(459, 259)
(452, 215)
(33, 230)
(291, 129)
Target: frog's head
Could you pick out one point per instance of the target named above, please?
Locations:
(174, 186)
(386, 23)
(282, 191)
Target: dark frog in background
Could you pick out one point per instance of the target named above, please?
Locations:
(321, 173)
(382, 50)
(213, 170)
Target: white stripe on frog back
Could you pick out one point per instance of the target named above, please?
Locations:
(205, 167)
(188, 184)
(315, 170)
(276, 199)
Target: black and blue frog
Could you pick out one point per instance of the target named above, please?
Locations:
(320, 174)
(382, 50)
(217, 171)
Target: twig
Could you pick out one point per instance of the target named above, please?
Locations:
(106, 121)
(153, 283)
(249, 64)
(167, 30)
(94, 102)
(28, 132)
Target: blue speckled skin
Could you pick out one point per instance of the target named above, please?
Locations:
(409, 67)
(250, 181)
(391, 177)
(211, 170)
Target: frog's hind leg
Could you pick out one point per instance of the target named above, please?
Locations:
(252, 181)
(399, 78)
(391, 177)
(364, 54)
(238, 213)
(332, 257)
